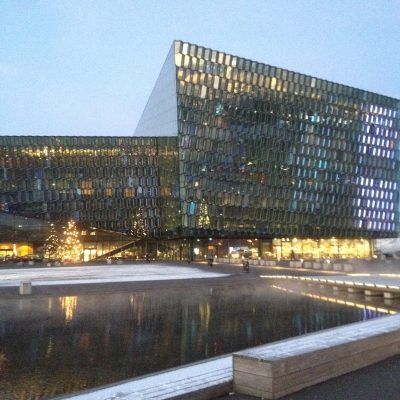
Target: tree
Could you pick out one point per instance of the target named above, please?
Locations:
(71, 248)
(203, 218)
(139, 229)
(51, 245)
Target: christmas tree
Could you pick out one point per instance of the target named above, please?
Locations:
(71, 247)
(139, 229)
(203, 218)
(51, 244)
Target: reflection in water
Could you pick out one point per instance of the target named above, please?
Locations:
(204, 311)
(68, 304)
(50, 346)
(3, 362)
(137, 301)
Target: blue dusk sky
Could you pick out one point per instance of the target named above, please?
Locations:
(80, 67)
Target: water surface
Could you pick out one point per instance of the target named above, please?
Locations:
(55, 345)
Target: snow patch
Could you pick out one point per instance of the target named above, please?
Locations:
(101, 274)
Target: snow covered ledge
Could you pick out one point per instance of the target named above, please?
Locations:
(274, 370)
(198, 381)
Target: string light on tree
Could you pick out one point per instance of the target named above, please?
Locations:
(203, 218)
(51, 245)
(139, 229)
(71, 247)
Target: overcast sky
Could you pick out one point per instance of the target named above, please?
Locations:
(78, 67)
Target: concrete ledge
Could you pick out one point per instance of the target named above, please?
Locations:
(295, 264)
(198, 381)
(348, 268)
(25, 288)
(326, 265)
(337, 267)
(275, 370)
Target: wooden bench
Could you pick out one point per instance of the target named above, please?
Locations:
(280, 368)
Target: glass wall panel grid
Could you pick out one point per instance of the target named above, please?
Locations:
(269, 152)
(254, 150)
(98, 181)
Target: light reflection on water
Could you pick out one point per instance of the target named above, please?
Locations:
(68, 305)
(55, 345)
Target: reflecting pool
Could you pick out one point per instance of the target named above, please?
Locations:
(54, 345)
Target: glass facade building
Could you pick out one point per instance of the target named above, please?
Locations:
(97, 181)
(271, 153)
(100, 182)
(226, 149)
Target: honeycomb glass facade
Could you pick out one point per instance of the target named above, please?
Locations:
(227, 149)
(273, 153)
(100, 182)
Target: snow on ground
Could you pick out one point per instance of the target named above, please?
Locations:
(101, 274)
(167, 384)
